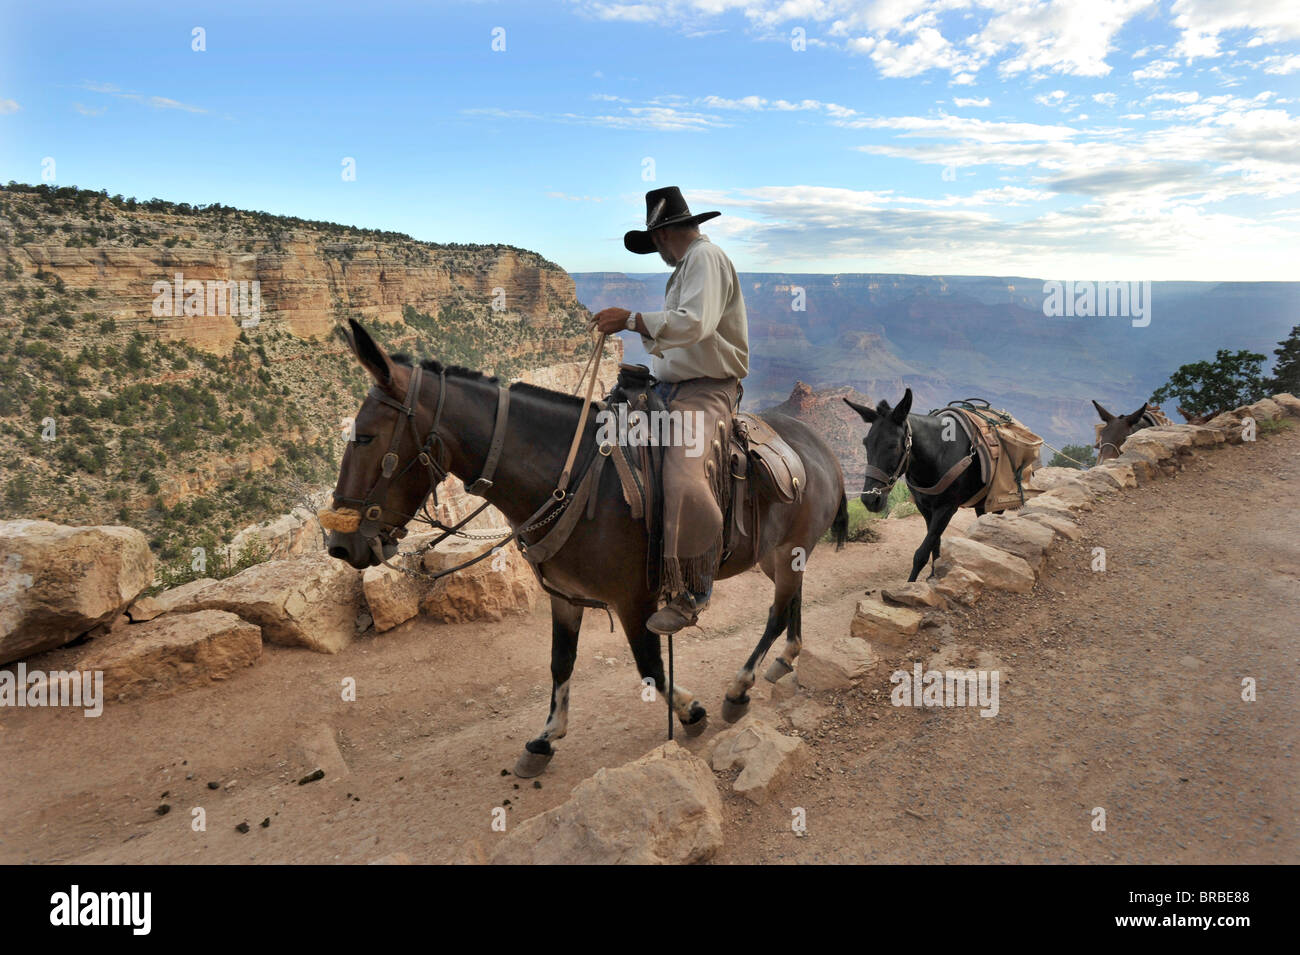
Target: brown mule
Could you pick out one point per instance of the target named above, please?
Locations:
(406, 440)
(1114, 430)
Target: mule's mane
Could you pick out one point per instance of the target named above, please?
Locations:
(473, 374)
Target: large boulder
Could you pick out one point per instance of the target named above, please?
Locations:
(58, 582)
(1102, 480)
(173, 652)
(765, 757)
(1063, 527)
(1075, 496)
(392, 596)
(1121, 475)
(1288, 402)
(662, 809)
(916, 593)
(1026, 539)
(995, 568)
(1266, 409)
(833, 666)
(1166, 445)
(1044, 479)
(1203, 437)
(489, 590)
(1229, 423)
(181, 596)
(288, 535)
(310, 601)
(879, 623)
(1143, 462)
(961, 585)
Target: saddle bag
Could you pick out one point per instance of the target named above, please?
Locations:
(774, 464)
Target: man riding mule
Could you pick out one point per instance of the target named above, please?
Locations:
(700, 344)
(533, 454)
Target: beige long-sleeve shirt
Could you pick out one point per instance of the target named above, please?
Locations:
(703, 331)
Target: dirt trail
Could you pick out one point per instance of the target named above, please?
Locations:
(1119, 689)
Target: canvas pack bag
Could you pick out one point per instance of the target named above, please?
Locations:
(1007, 451)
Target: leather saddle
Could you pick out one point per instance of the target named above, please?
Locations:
(639, 468)
(763, 466)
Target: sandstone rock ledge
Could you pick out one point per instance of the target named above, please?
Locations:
(662, 809)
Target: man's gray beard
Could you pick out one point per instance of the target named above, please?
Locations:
(668, 259)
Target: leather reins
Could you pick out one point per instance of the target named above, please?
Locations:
(432, 455)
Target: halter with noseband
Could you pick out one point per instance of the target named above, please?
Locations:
(432, 456)
(889, 480)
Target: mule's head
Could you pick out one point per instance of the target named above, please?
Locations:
(377, 494)
(886, 444)
(1114, 431)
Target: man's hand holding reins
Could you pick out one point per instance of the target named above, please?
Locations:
(612, 320)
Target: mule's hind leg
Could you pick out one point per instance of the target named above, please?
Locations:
(566, 619)
(788, 581)
(646, 650)
(784, 664)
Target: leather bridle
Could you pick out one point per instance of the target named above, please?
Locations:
(887, 481)
(432, 456)
(375, 503)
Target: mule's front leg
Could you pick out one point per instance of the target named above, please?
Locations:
(650, 664)
(736, 702)
(938, 524)
(566, 620)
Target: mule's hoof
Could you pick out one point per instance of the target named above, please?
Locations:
(696, 728)
(732, 711)
(778, 669)
(532, 764)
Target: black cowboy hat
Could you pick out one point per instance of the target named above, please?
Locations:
(662, 207)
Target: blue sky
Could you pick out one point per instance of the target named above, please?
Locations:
(1107, 139)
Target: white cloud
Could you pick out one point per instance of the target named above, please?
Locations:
(156, 102)
(960, 101)
(1203, 22)
(1282, 64)
(8, 106)
(906, 38)
(1155, 70)
(663, 118)
(1105, 99)
(882, 232)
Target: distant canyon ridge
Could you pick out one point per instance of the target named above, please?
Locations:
(953, 336)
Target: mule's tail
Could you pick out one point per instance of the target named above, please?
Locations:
(840, 526)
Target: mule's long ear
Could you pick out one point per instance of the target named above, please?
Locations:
(868, 414)
(346, 334)
(372, 355)
(1136, 416)
(1106, 416)
(899, 414)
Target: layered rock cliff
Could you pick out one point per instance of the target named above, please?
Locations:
(178, 368)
